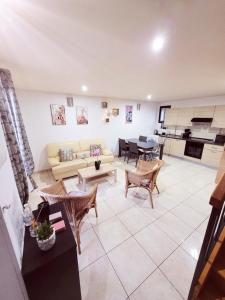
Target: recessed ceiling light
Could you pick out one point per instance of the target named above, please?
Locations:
(158, 43)
(84, 88)
(149, 97)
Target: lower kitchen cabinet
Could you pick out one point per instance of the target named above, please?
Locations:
(212, 155)
(177, 147)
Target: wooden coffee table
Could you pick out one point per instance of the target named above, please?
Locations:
(89, 173)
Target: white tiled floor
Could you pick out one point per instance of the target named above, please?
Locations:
(135, 252)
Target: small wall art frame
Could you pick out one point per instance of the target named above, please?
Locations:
(115, 112)
(82, 115)
(58, 114)
(129, 114)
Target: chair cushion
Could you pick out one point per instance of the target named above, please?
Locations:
(145, 182)
(66, 154)
(77, 193)
(95, 150)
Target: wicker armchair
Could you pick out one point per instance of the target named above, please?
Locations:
(144, 176)
(77, 204)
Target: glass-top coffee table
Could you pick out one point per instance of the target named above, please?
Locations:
(89, 173)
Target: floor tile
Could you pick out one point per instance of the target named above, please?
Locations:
(99, 281)
(156, 287)
(131, 264)
(188, 215)
(111, 233)
(202, 228)
(119, 203)
(156, 243)
(91, 249)
(104, 213)
(174, 227)
(179, 269)
(193, 244)
(134, 219)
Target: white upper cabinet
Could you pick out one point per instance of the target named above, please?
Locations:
(171, 117)
(184, 116)
(203, 112)
(219, 117)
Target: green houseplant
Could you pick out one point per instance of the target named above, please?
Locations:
(45, 236)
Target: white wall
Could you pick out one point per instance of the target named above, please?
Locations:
(9, 196)
(206, 101)
(35, 107)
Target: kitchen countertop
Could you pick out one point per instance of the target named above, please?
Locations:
(200, 140)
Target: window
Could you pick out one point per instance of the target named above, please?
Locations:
(162, 111)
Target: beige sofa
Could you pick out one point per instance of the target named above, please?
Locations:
(82, 150)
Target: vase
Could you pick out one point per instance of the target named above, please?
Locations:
(97, 164)
(46, 245)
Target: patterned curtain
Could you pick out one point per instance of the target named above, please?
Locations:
(15, 135)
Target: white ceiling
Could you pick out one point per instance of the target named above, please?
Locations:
(58, 45)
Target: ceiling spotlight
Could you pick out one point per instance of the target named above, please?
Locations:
(84, 88)
(158, 43)
(149, 97)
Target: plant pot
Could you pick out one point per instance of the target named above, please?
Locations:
(45, 245)
(97, 164)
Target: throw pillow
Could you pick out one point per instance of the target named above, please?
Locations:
(65, 154)
(95, 150)
(84, 154)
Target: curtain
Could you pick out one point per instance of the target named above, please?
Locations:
(15, 135)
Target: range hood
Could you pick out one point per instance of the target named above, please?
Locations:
(202, 120)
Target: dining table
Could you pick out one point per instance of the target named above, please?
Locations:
(146, 146)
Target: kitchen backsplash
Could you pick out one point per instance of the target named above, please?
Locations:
(201, 131)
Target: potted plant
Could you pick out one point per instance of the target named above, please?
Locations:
(45, 236)
(97, 164)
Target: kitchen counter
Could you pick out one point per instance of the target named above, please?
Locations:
(200, 140)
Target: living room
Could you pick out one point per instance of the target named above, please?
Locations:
(112, 158)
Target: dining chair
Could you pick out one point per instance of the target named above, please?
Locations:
(77, 203)
(142, 138)
(124, 148)
(144, 176)
(154, 153)
(134, 152)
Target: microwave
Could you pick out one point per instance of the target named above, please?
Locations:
(220, 139)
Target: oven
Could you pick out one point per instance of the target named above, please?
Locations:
(194, 149)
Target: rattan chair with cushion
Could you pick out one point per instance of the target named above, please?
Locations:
(144, 176)
(77, 204)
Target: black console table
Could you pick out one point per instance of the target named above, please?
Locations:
(54, 274)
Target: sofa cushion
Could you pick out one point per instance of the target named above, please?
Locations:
(107, 152)
(103, 158)
(53, 161)
(53, 149)
(83, 154)
(85, 144)
(70, 165)
(95, 150)
(66, 154)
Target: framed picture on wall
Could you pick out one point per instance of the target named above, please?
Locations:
(58, 114)
(129, 113)
(82, 115)
(115, 112)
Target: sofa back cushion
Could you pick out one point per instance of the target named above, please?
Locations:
(66, 154)
(53, 149)
(85, 144)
